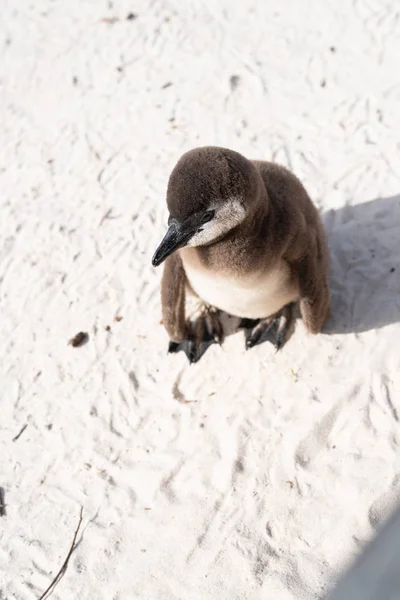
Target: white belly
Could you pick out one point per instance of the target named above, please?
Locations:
(254, 296)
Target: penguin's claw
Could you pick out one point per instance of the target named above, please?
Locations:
(281, 338)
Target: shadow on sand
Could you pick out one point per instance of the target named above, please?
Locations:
(364, 241)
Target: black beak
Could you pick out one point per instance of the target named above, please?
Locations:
(176, 237)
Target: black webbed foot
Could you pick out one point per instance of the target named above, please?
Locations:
(193, 349)
(273, 329)
(203, 332)
(264, 331)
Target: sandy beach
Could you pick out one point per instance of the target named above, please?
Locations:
(250, 475)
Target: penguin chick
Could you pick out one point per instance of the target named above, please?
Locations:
(246, 239)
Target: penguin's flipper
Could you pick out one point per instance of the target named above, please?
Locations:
(312, 272)
(173, 296)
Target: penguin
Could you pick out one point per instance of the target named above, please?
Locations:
(246, 240)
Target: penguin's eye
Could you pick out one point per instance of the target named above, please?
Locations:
(207, 216)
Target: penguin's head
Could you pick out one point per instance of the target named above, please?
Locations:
(208, 195)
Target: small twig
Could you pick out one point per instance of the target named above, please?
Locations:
(105, 216)
(93, 150)
(104, 168)
(109, 20)
(108, 215)
(63, 569)
(20, 433)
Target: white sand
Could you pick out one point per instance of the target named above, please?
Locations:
(250, 475)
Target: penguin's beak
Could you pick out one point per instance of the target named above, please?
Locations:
(176, 237)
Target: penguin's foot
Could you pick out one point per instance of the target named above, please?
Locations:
(262, 331)
(203, 332)
(272, 329)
